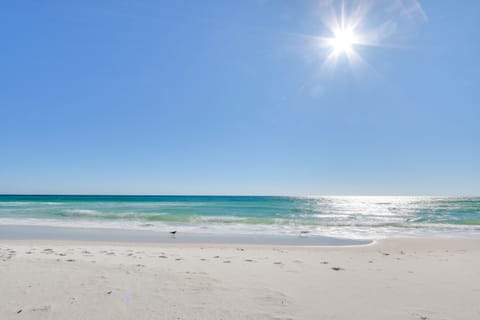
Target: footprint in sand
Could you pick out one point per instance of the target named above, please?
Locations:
(41, 309)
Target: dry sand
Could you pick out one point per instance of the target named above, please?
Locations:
(392, 279)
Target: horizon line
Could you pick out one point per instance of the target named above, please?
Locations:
(233, 195)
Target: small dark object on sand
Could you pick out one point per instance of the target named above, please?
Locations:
(173, 233)
(337, 268)
(109, 292)
(19, 311)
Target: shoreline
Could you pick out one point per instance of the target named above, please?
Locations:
(22, 232)
(115, 235)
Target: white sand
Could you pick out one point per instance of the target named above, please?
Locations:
(393, 279)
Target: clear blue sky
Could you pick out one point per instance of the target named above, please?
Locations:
(233, 97)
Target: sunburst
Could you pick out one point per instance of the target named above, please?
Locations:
(345, 35)
(350, 30)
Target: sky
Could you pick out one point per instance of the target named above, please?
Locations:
(239, 97)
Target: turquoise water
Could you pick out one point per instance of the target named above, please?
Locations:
(350, 217)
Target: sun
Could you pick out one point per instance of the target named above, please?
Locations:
(349, 29)
(347, 35)
(343, 41)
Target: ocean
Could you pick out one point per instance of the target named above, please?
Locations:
(352, 217)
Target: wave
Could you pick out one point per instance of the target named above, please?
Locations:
(82, 212)
(25, 204)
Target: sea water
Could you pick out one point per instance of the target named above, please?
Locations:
(354, 217)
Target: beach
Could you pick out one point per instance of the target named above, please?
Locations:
(409, 278)
(240, 160)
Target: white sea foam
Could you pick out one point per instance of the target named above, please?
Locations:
(86, 212)
(228, 219)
